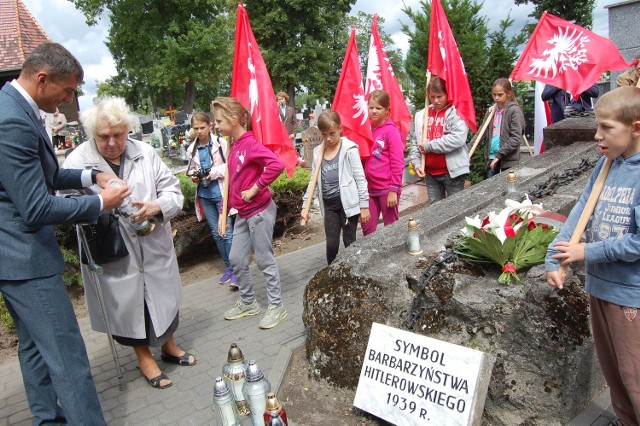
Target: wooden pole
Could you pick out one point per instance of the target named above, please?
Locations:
(312, 188)
(528, 146)
(492, 110)
(425, 123)
(589, 206)
(225, 193)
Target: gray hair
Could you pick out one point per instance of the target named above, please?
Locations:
(112, 109)
(54, 59)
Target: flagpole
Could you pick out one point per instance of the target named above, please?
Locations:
(225, 193)
(312, 188)
(526, 141)
(492, 110)
(589, 207)
(425, 124)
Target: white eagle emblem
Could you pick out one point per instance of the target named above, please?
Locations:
(253, 88)
(568, 52)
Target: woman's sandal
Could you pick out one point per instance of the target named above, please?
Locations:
(156, 381)
(183, 360)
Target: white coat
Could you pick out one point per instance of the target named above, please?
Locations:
(150, 272)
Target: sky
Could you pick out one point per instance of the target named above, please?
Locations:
(65, 25)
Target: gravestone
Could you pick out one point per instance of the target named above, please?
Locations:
(545, 369)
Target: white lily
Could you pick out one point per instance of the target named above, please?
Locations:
(472, 221)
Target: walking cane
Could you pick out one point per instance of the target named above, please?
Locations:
(314, 181)
(94, 271)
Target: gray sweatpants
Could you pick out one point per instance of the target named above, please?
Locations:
(255, 235)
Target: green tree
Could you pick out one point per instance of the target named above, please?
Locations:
(169, 52)
(580, 12)
(299, 41)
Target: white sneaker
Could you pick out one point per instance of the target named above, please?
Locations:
(241, 310)
(275, 314)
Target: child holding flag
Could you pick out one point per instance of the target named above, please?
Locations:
(446, 159)
(252, 168)
(341, 185)
(384, 168)
(611, 253)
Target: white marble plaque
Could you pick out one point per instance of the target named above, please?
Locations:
(409, 379)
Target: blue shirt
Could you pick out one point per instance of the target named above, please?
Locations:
(213, 190)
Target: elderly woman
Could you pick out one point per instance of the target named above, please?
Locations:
(142, 291)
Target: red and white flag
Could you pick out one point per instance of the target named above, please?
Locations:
(444, 60)
(251, 85)
(350, 102)
(380, 76)
(567, 56)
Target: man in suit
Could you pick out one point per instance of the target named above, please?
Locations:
(53, 359)
(563, 104)
(287, 114)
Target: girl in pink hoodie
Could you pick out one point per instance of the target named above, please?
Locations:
(384, 168)
(251, 169)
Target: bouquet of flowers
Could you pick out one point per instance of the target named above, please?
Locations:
(510, 238)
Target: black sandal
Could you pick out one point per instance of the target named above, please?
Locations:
(155, 382)
(180, 360)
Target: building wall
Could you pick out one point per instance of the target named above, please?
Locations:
(624, 30)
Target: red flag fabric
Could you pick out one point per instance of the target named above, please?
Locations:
(380, 76)
(251, 85)
(567, 56)
(444, 60)
(350, 103)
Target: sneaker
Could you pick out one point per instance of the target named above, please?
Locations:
(242, 310)
(226, 277)
(275, 314)
(233, 281)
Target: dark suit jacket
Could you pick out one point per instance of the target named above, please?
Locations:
(29, 176)
(289, 120)
(559, 99)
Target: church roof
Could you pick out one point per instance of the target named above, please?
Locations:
(20, 34)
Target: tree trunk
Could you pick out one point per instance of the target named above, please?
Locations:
(291, 91)
(189, 95)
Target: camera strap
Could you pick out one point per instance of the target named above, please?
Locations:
(224, 160)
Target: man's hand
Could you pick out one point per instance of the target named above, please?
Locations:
(494, 163)
(113, 196)
(420, 172)
(102, 179)
(392, 199)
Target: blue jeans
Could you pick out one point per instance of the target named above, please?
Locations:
(211, 207)
(52, 355)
